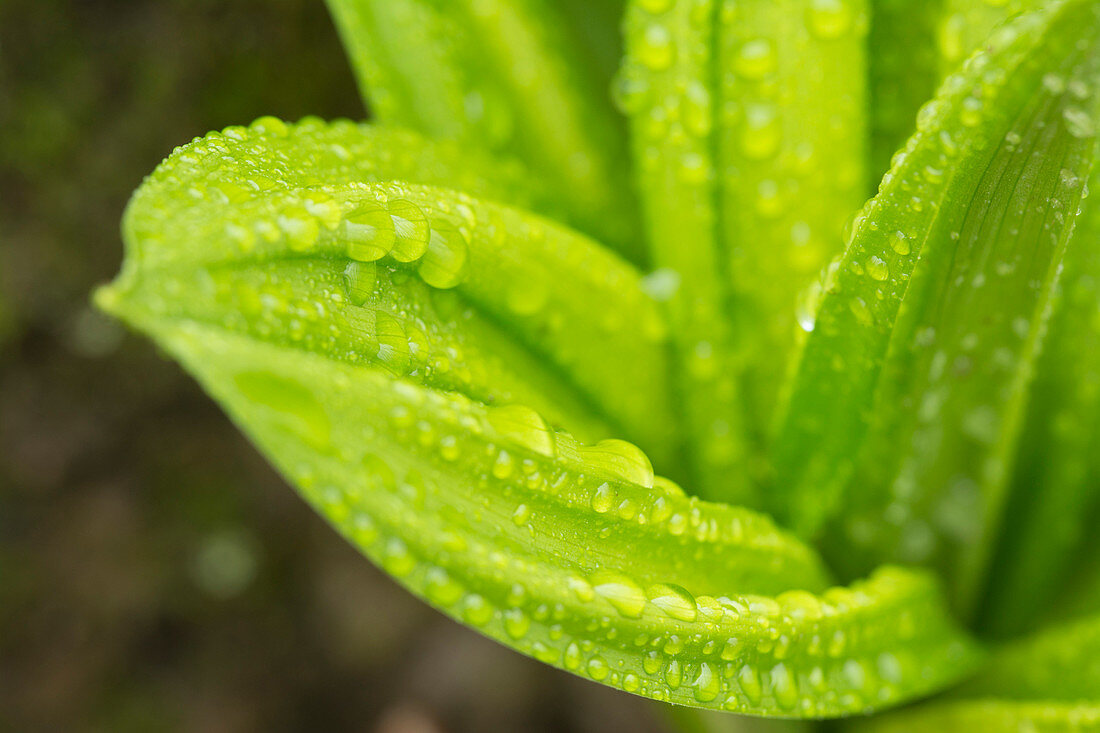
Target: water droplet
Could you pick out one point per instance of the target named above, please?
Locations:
(971, 112)
(732, 649)
(877, 268)
(674, 601)
(396, 558)
(661, 284)
(1054, 83)
(516, 623)
(410, 229)
(268, 125)
(656, 50)
(504, 465)
(760, 136)
(442, 265)
(784, 687)
(621, 459)
(441, 589)
(630, 92)
(476, 610)
(696, 114)
(707, 684)
(393, 343)
(749, 680)
(755, 59)
(573, 656)
(597, 668)
(523, 426)
(900, 243)
(621, 592)
(860, 310)
(1078, 122)
(521, 515)
(359, 281)
(368, 233)
(829, 18)
(674, 674)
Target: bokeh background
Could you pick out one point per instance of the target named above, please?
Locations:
(155, 574)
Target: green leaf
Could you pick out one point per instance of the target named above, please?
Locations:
(1047, 682)
(1061, 663)
(503, 76)
(989, 716)
(908, 402)
(748, 166)
(904, 71)
(541, 314)
(966, 24)
(366, 339)
(1055, 492)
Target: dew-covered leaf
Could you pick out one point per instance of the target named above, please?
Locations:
(748, 137)
(508, 76)
(396, 351)
(538, 314)
(908, 401)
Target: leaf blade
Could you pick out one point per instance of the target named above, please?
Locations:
(746, 166)
(499, 76)
(880, 313)
(1049, 681)
(576, 555)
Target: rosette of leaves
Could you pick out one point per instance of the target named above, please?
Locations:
(880, 422)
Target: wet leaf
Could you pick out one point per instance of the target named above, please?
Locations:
(908, 403)
(754, 161)
(503, 76)
(367, 339)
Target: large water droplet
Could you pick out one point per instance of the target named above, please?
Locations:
(622, 459)
(656, 49)
(676, 602)
(368, 233)
(522, 425)
(359, 281)
(621, 592)
(411, 230)
(448, 249)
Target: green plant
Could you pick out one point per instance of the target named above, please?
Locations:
(425, 336)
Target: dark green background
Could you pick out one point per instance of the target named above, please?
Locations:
(155, 574)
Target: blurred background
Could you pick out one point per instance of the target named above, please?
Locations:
(155, 574)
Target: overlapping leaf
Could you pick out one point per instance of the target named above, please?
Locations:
(1048, 682)
(1055, 492)
(904, 68)
(748, 135)
(384, 344)
(910, 392)
(509, 77)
